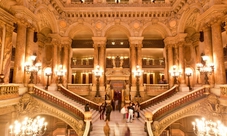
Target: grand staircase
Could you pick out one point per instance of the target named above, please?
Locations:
(136, 127)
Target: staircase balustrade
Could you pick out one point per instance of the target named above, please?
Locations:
(159, 98)
(194, 95)
(8, 91)
(61, 103)
(78, 98)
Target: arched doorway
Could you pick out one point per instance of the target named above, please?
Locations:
(117, 88)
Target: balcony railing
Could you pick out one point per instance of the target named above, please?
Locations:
(8, 91)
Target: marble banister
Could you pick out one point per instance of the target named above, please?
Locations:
(8, 91)
(78, 98)
(159, 98)
(60, 102)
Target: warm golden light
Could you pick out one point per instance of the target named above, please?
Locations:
(34, 127)
(203, 127)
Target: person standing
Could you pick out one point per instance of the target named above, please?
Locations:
(108, 111)
(137, 109)
(106, 129)
(102, 111)
(130, 113)
(87, 108)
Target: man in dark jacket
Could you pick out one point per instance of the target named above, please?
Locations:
(108, 111)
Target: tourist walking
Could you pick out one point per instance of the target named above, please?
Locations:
(126, 131)
(116, 130)
(102, 111)
(108, 111)
(130, 113)
(106, 129)
(137, 109)
(124, 111)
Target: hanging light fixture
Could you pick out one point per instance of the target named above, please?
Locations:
(203, 127)
(29, 127)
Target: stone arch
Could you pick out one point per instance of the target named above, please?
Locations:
(160, 28)
(188, 19)
(123, 28)
(196, 109)
(78, 27)
(43, 108)
(46, 19)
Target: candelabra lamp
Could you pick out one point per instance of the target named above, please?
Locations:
(137, 73)
(29, 127)
(32, 67)
(48, 73)
(60, 72)
(203, 127)
(98, 73)
(175, 73)
(188, 73)
(205, 68)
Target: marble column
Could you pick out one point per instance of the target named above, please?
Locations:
(208, 50)
(66, 43)
(40, 56)
(7, 53)
(100, 59)
(181, 62)
(169, 43)
(139, 61)
(18, 73)
(196, 57)
(54, 66)
(29, 50)
(70, 72)
(218, 55)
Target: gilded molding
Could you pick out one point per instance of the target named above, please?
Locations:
(31, 106)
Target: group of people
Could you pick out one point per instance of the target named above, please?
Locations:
(131, 111)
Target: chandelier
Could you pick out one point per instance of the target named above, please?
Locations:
(203, 127)
(29, 127)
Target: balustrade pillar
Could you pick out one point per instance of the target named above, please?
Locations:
(218, 55)
(18, 73)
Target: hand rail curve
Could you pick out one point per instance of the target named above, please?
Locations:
(60, 102)
(78, 98)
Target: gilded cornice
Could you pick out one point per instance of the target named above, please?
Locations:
(24, 14)
(214, 13)
(6, 17)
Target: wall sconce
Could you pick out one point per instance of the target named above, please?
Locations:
(60, 72)
(32, 68)
(48, 73)
(175, 73)
(98, 73)
(137, 73)
(205, 68)
(188, 73)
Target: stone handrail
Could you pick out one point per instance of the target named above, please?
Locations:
(56, 100)
(163, 110)
(155, 89)
(78, 98)
(80, 89)
(159, 98)
(8, 91)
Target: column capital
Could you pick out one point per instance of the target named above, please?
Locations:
(180, 37)
(169, 41)
(136, 40)
(66, 40)
(99, 41)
